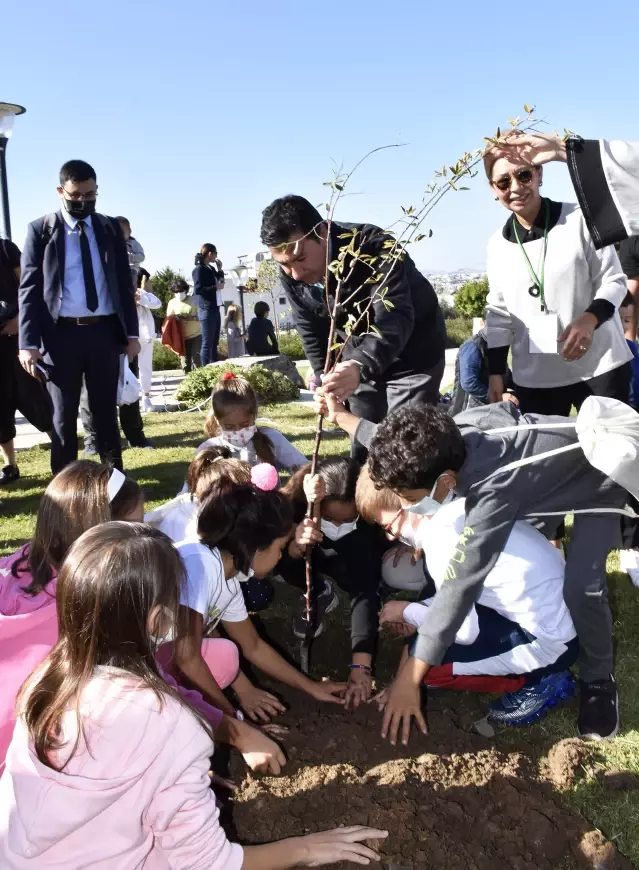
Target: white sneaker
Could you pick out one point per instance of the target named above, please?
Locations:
(147, 405)
(629, 562)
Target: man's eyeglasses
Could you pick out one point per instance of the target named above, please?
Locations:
(523, 176)
(80, 197)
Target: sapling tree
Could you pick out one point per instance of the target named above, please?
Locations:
(352, 308)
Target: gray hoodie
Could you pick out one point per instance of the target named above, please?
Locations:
(562, 483)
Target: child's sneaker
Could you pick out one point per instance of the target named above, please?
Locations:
(629, 562)
(529, 704)
(325, 602)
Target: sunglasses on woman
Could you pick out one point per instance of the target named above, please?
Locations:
(523, 176)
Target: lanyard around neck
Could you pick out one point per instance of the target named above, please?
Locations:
(537, 288)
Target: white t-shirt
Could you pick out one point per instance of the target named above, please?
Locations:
(526, 585)
(206, 590)
(286, 456)
(177, 518)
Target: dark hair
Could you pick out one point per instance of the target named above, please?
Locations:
(242, 520)
(76, 170)
(413, 446)
(74, 501)
(628, 301)
(207, 248)
(211, 466)
(142, 273)
(179, 286)
(112, 580)
(261, 309)
(339, 476)
(121, 219)
(286, 216)
(230, 394)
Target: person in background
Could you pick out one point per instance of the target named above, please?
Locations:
(184, 306)
(262, 340)
(98, 711)
(77, 312)
(553, 300)
(629, 556)
(208, 280)
(145, 300)
(629, 257)
(134, 249)
(233, 328)
(472, 375)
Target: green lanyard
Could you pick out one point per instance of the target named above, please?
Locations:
(537, 288)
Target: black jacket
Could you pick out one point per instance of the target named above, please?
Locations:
(205, 279)
(412, 332)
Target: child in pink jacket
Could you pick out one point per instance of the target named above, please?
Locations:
(108, 766)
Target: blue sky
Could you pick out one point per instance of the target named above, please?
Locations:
(197, 114)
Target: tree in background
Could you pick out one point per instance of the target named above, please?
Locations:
(162, 282)
(470, 299)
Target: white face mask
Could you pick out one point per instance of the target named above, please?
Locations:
(239, 437)
(336, 533)
(408, 536)
(182, 296)
(429, 505)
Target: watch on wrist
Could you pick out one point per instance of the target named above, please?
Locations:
(239, 715)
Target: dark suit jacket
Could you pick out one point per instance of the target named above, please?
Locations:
(42, 266)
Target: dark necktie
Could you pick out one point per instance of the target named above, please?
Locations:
(87, 269)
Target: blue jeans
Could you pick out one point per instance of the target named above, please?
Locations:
(211, 323)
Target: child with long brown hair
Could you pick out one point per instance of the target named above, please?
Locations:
(108, 765)
(234, 334)
(82, 495)
(231, 423)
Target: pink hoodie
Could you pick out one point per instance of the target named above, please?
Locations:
(28, 630)
(135, 796)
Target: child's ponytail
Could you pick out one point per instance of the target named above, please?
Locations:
(214, 465)
(242, 520)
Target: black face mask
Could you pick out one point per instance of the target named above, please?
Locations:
(79, 208)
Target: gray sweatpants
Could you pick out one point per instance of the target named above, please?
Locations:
(586, 591)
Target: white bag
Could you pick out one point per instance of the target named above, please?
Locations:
(128, 386)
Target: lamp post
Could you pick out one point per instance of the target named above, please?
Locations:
(8, 111)
(241, 273)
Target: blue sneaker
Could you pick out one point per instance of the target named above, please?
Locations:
(531, 703)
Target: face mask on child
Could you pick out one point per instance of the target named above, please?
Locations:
(336, 533)
(429, 505)
(239, 437)
(182, 296)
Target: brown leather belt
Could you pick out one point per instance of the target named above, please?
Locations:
(86, 321)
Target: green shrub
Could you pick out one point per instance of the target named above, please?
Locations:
(164, 359)
(290, 343)
(270, 387)
(458, 330)
(470, 299)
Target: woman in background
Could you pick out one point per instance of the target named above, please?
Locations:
(208, 280)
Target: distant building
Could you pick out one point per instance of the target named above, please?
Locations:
(231, 294)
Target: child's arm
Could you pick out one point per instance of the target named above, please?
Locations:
(263, 656)
(272, 337)
(470, 371)
(256, 703)
(286, 456)
(188, 657)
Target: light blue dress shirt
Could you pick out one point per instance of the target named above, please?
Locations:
(74, 299)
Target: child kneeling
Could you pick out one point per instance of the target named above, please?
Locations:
(518, 638)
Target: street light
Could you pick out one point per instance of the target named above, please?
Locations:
(8, 111)
(242, 274)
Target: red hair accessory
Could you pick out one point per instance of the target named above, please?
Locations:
(228, 376)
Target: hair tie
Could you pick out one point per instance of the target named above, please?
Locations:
(229, 376)
(115, 484)
(264, 476)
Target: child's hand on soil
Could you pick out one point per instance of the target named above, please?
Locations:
(314, 488)
(259, 752)
(402, 702)
(260, 706)
(342, 844)
(328, 692)
(359, 688)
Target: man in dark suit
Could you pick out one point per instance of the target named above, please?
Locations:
(77, 313)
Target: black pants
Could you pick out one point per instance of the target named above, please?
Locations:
(192, 349)
(211, 323)
(130, 418)
(20, 392)
(93, 353)
(558, 401)
(373, 401)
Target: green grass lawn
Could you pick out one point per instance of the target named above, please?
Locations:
(161, 474)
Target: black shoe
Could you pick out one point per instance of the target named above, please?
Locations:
(598, 710)
(325, 602)
(143, 445)
(9, 474)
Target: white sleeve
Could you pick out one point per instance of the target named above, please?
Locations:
(414, 613)
(235, 610)
(201, 578)
(149, 300)
(621, 167)
(286, 456)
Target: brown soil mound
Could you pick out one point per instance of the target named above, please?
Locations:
(450, 801)
(564, 760)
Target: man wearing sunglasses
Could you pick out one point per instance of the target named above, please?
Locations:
(77, 312)
(395, 356)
